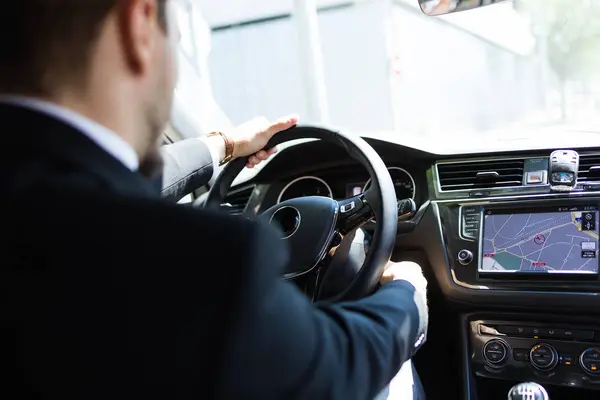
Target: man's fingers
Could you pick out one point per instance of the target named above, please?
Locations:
(262, 155)
(282, 124)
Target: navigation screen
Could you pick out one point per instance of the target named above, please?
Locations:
(551, 240)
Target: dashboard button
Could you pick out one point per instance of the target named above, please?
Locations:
(521, 354)
(567, 359)
(551, 333)
(348, 207)
(524, 330)
(543, 356)
(495, 351)
(568, 334)
(470, 233)
(535, 177)
(465, 257)
(583, 335)
(494, 357)
(471, 218)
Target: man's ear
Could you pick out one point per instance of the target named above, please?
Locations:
(138, 24)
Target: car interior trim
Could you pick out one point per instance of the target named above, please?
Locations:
(476, 160)
(541, 196)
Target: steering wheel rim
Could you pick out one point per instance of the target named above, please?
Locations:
(383, 202)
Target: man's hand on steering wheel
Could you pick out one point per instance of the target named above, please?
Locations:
(250, 138)
(404, 271)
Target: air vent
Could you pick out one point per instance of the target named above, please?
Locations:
(235, 203)
(589, 168)
(480, 174)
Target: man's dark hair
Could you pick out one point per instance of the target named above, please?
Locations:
(45, 41)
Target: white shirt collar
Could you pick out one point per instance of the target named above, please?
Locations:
(107, 139)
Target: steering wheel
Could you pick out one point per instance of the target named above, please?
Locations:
(315, 226)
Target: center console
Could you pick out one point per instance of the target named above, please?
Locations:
(519, 248)
(552, 353)
(533, 247)
(502, 349)
(542, 235)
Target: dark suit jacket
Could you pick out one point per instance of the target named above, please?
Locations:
(108, 291)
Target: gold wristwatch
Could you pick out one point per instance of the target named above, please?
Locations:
(228, 146)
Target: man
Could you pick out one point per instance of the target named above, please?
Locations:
(105, 289)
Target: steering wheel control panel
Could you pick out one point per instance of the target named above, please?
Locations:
(546, 353)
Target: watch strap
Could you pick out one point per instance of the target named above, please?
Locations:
(229, 146)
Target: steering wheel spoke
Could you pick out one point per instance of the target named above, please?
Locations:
(354, 212)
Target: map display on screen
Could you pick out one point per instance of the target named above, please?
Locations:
(561, 241)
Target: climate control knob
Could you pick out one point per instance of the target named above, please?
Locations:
(495, 352)
(543, 357)
(590, 361)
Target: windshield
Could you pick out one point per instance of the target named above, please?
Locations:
(385, 68)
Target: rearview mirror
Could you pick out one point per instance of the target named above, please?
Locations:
(440, 7)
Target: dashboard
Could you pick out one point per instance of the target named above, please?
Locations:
(322, 169)
(344, 184)
(510, 238)
(490, 226)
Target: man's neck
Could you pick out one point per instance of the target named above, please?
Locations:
(105, 112)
